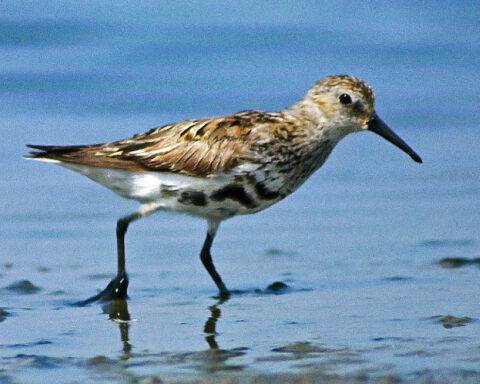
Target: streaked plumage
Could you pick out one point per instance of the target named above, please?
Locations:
(225, 166)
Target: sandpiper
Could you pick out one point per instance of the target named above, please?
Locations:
(221, 167)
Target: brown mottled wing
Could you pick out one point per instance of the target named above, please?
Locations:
(193, 147)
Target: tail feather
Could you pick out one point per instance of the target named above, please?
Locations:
(90, 155)
(52, 151)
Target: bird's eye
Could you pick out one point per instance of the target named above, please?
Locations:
(345, 99)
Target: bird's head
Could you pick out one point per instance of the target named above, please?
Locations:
(347, 105)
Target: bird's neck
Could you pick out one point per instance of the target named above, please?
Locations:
(313, 124)
(308, 142)
(306, 112)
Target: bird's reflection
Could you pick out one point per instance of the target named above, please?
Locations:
(211, 360)
(117, 311)
(210, 325)
(215, 358)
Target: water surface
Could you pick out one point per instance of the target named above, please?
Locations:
(361, 246)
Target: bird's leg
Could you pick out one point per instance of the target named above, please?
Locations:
(206, 258)
(117, 288)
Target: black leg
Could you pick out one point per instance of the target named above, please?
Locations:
(122, 226)
(206, 258)
(117, 288)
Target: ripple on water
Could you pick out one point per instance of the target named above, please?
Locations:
(275, 252)
(28, 345)
(304, 348)
(23, 287)
(447, 243)
(449, 321)
(398, 278)
(40, 361)
(278, 287)
(3, 314)
(458, 262)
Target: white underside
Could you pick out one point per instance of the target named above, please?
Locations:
(161, 190)
(141, 186)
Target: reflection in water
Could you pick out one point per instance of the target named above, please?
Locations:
(117, 311)
(211, 323)
(213, 359)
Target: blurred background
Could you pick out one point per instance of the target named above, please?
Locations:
(95, 71)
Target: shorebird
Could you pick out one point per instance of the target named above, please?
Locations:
(221, 167)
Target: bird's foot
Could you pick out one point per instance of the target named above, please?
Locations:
(223, 294)
(116, 290)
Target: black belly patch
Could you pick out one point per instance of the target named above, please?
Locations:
(193, 197)
(264, 193)
(234, 192)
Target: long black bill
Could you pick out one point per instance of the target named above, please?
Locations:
(380, 128)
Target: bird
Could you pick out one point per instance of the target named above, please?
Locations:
(220, 167)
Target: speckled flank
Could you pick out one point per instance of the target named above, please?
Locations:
(234, 192)
(264, 193)
(193, 197)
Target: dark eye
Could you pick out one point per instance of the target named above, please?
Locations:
(345, 99)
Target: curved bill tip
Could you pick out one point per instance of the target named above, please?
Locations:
(376, 125)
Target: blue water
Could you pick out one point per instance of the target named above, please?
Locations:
(359, 244)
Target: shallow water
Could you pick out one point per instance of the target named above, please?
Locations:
(365, 246)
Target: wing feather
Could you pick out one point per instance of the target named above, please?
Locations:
(199, 147)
